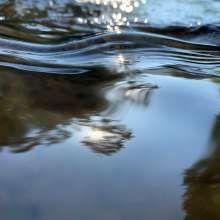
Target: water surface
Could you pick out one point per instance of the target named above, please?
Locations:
(109, 110)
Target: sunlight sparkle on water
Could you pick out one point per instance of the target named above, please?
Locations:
(117, 12)
(96, 135)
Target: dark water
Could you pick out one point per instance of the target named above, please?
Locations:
(109, 110)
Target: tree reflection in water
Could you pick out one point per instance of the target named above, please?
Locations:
(202, 181)
(36, 109)
(47, 109)
(106, 136)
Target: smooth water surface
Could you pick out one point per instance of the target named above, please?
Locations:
(109, 110)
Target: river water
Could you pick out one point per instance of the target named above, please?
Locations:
(110, 110)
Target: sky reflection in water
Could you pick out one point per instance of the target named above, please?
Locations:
(162, 136)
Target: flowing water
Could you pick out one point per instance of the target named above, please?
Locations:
(110, 110)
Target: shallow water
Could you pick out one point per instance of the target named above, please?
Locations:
(109, 110)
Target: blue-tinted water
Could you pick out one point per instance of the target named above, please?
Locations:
(109, 110)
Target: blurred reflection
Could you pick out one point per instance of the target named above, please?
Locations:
(138, 93)
(127, 94)
(39, 109)
(36, 109)
(106, 136)
(202, 181)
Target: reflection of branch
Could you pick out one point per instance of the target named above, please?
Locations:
(106, 137)
(132, 92)
(139, 93)
(43, 137)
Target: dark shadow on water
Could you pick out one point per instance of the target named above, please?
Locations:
(202, 182)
